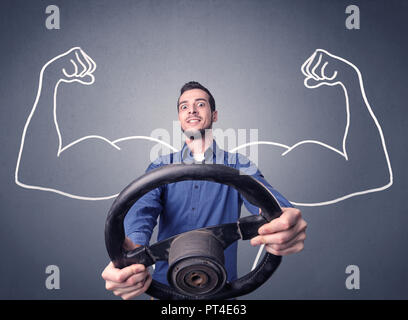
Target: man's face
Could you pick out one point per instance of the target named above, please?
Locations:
(194, 112)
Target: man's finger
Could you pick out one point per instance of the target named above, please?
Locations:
(281, 237)
(120, 275)
(295, 248)
(279, 247)
(288, 218)
(123, 290)
(139, 291)
(132, 281)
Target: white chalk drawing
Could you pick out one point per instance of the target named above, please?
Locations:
(314, 69)
(88, 67)
(322, 79)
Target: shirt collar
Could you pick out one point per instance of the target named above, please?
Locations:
(210, 155)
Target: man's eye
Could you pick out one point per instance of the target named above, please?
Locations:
(201, 104)
(183, 107)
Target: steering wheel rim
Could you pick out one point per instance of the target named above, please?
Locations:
(253, 190)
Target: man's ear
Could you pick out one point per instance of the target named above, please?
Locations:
(214, 115)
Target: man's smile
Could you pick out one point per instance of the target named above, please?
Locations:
(193, 120)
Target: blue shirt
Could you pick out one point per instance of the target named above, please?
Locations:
(187, 205)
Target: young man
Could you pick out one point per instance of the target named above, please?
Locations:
(188, 205)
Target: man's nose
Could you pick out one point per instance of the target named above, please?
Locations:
(192, 110)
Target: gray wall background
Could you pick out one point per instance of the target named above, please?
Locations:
(248, 53)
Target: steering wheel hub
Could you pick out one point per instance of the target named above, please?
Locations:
(196, 263)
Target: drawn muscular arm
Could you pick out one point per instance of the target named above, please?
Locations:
(315, 173)
(90, 168)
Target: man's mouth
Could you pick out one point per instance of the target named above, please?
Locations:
(193, 120)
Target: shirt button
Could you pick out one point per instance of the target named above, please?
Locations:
(193, 209)
(196, 187)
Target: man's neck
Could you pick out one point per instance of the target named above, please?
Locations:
(200, 145)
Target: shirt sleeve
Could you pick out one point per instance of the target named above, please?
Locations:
(247, 166)
(142, 217)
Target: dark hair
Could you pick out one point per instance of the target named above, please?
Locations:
(195, 85)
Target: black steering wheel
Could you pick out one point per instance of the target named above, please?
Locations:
(196, 258)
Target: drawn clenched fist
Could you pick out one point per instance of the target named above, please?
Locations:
(72, 66)
(324, 68)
